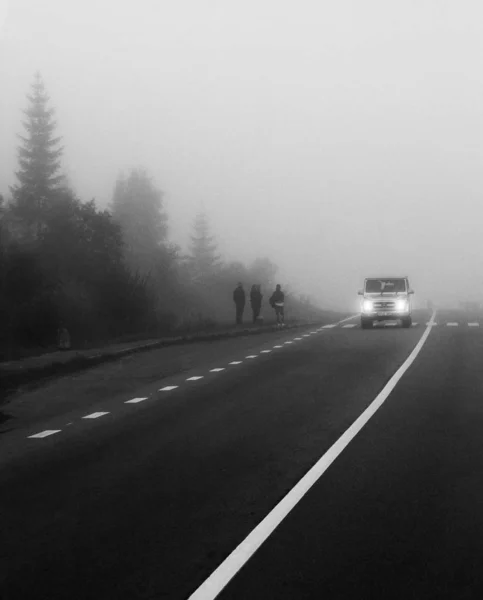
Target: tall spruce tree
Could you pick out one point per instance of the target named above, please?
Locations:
(39, 162)
(204, 257)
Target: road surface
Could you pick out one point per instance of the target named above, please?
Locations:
(144, 490)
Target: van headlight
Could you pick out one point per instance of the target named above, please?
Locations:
(367, 305)
(401, 305)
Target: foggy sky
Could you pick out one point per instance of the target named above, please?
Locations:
(341, 138)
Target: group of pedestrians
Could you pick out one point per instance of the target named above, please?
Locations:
(276, 301)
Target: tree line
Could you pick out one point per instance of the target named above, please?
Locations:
(104, 274)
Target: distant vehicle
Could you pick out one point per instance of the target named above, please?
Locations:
(386, 299)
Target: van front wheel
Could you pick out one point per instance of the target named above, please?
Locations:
(407, 322)
(366, 323)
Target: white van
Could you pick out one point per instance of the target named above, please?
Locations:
(386, 299)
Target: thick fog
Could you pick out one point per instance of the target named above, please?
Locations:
(340, 138)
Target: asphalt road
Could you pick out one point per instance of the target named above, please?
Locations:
(147, 500)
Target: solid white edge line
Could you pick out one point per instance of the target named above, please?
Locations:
(349, 318)
(223, 574)
(331, 325)
(44, 434)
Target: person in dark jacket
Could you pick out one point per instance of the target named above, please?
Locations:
(256, 301)
(277, 301)
(239, 300)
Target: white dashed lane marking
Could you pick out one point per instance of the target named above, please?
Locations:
(349, 325)
(169, 388)
(45, 433)
(473, 324)
(452, 324)
(96, 415)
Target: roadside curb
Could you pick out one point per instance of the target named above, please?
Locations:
(13, 376)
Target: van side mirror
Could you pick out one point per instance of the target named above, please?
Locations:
(360, 293)
(411, 291)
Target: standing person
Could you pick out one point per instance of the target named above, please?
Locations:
(239, 300)
(256, 301)
(277, 300)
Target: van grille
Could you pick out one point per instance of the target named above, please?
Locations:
(385, 305)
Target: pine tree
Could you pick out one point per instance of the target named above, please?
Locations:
(137, 207)
(39, 162)
(204, 258)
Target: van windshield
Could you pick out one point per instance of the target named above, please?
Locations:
(385, 286)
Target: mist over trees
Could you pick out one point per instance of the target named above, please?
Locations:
(104, 274)
(205, 260)
(137, 208)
